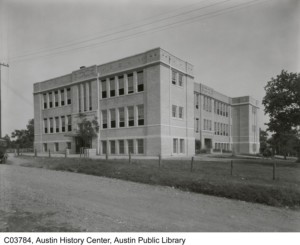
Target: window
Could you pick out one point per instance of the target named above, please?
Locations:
(103, 88)
(180, 114)
(226, 109)
(218, 108)
(45, 100)
(180, 80)
(79, 98)
(181, 145)
(215, 107)
(69, 145)
(215, 128)
(69, 123)
(196, 98)
(84, 97)
(57, 124)
(130, 83)
(121, 147)
(90, 96)
(51, 125)
(140, 115)
(62, 97)
(112, 87)
(121, 117)
(197, 125)
(45, 125)
(63, 124)
(50, 100)
(130, 116)
(69, 96)
(121, 85)
(45, 147)
(174, 109)
(175, 145)
(56, 146)
(130, 146)
(104, 119)
(56, 98)
(112, 118)
(140, 145)
(104, 147)
(112, 147)
(173, 77)
(140, 81)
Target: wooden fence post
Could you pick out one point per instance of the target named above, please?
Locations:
(192, 164)
(49, 153)
(231, 167)
(274, 170)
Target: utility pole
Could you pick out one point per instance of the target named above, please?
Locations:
(1, 64)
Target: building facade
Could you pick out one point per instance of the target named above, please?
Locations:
(147, 104)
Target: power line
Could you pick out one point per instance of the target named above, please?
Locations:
(58, 46)
(161, 28)
(122, 31)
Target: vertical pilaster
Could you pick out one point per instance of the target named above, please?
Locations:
(82, 97)
(117, 86)
(126, 116)
(87, 96)
(135, 82)
(107, 88)
(135, 114)
(125, 84)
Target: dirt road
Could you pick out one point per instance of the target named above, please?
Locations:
(43, 200)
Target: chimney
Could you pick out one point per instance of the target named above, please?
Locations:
(82, 67)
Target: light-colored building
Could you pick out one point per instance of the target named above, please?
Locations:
(148, 104)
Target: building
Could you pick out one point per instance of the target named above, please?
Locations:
(148, 104)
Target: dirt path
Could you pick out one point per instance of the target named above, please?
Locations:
(43, 200)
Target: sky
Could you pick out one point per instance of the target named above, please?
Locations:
(236, 46)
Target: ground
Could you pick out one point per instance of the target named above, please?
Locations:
(33, 199)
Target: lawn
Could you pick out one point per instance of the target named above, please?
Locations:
(251, 180)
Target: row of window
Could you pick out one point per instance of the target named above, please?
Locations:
(178, 145)
(57, 98)
(129, 116)
(121, 85)
(56, 147)
(85, 96)
(177, 111)
(220, 108)
(121, 147)
(222, 146)
(221, 129)
(177, 78)
(58, 124)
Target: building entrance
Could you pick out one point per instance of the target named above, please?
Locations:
(208, 143)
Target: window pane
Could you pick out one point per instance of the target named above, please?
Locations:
(56, 98)
(121, 118)
(112, 147)
(130, 84)
(45, 125)
(121, 147)
(173, 77)
(140, 81)
(180, 81)
(50, 100)
(63, 124)
(141, 114)
(112, 87)
(130, 146)
(45, 100)
(104, 119)
(57, 124)
(51, 125)
(62, 97)
(121, 85)
(181, 145)
(112, 118)
(69, 123)
(174, 109)
(180, 112)
(103, 88)
(140, 143)
(175, 143)
(130, 116)
(68, 96)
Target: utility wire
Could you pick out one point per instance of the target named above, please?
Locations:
(119, 32)
(161, 28)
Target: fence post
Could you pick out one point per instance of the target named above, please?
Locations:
(274, 170)
(192, 164)
(159, 160)
(35, 153)
(129, 156)
(49, 153)
(231, 167)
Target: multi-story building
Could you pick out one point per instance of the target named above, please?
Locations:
(147, 104)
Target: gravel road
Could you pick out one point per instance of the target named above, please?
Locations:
(34, 199)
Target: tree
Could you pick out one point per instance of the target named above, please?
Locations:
(263, 137)
(24, 137)
(87, 129)
(282, 103)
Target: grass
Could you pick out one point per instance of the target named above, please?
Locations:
(251, 180)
